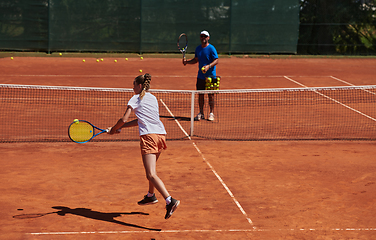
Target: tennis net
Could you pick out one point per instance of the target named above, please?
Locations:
(43, 113)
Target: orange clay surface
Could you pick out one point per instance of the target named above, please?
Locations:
(228, 189)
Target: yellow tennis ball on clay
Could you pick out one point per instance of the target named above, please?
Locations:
(115, 61)
(11, 58)
(140, 70)
(97, 60)
(126, 59)
(142, 58)
(60, 54)
(102, 59)
(83, 60)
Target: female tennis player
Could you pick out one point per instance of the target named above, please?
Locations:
(152, 138)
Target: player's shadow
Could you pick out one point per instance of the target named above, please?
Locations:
(177, 118)
(107, 217)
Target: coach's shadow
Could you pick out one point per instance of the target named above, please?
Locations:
(107, 217)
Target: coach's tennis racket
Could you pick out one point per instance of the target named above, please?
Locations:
(183, 43)
(81, 131)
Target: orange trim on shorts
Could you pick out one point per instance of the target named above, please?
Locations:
(152, 143)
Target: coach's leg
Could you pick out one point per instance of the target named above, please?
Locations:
(211, 102)
(201, 102)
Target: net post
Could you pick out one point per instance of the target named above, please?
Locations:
(192, 112)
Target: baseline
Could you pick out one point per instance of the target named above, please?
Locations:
(203, 231)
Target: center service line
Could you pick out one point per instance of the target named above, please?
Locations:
(211, 167)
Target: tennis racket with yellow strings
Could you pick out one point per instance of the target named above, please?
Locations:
(81, 131)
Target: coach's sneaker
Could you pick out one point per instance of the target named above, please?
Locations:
(170, 208)
(199, 117)
(148, 200)
(211, 117)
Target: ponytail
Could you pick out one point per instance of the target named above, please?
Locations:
(145, 81)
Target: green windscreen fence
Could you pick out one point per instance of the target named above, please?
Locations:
(254, 26)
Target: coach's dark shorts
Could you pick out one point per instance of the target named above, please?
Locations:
(200, 84)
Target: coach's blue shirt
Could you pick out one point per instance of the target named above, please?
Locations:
(206, 56)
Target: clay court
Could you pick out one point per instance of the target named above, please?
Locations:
(228, 189)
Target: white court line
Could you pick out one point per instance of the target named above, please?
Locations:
(203, 231)
(211, 168)
(351, 84)
(132, 76)
(323, 95)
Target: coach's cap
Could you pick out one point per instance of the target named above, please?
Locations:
(205, 33)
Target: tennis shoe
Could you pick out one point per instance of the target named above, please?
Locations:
(211, 117)
(148, 200)
(199, 117)
(170, 208)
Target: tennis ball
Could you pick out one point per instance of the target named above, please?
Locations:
(115, 60)
(60, 54)
(11, 58)
(102, 59)
(140, 70)
(83, 60)
(76, 121)
(142, 58)
(97, 60)
(126, 59)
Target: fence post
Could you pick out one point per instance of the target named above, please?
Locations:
(230, 32)
(140, 50)
(49, 27)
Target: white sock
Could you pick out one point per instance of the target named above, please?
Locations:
(150, 194)
(168, 200)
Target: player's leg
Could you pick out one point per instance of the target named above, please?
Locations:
(151, 145)
(151, 185)
(150, 163)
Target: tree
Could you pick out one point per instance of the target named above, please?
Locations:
(337, 26)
